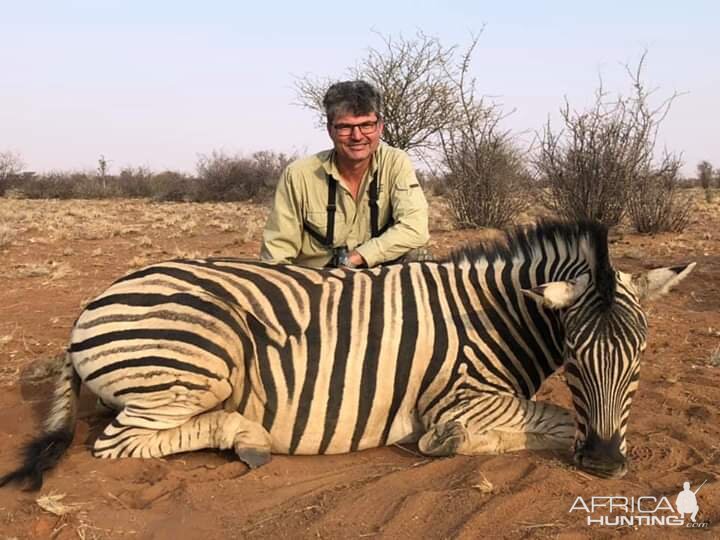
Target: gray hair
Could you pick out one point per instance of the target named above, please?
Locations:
(352, 97)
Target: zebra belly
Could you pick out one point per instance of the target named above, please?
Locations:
(319, 434)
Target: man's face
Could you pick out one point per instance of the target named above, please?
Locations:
(356, 137)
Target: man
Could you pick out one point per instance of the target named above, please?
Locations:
(356, 205)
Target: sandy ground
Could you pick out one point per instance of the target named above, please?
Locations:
(56, 255)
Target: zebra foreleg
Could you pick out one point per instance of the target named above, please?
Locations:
(499, 424)
(157, 433)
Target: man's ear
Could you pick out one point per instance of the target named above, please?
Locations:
(657, 282)
(559, 294)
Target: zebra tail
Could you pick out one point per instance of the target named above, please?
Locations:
(44, 451)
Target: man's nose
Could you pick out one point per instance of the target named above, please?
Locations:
(355, 133)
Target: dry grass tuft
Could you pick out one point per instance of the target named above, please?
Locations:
(714, 359)
(54, 504)
(7, 235)
(52, 270)
(484, 486)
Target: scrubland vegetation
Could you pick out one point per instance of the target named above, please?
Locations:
(601, 163)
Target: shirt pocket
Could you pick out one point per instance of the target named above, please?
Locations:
(318, 222)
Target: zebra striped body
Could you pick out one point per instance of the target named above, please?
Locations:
(262, 358)
(337, 381)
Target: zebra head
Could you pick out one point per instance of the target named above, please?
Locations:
(605, 333)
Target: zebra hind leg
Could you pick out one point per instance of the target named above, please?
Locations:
(520, 425)
(161, 432)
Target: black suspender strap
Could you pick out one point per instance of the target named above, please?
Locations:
(331, 207)
(329, 237)
(373, 202)
(375, 230)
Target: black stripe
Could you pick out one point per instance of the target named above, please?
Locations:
(368, 382)
(157, 335)
(514, 297)
(183, 299)
(556, 259)
(336, 391)
(441, 335)
(497, 323)
(463, 340)
(509, 301)
(259, 333)
(158, 388)
(274, 295)
(248, 352)
(206, 285)
(406, 350)
(151, 361)
(313, 338)
(542, 266)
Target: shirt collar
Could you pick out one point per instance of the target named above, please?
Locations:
(330, 166)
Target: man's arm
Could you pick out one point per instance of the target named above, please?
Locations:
(282, 237)
(410, 214)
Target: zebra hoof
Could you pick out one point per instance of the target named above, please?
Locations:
(443, 439)
(253, 457)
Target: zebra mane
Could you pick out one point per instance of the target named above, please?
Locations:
(527, 242)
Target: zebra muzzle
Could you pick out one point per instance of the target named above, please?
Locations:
(601, 457)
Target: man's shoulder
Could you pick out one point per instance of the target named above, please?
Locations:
(306, 168)
(391, 152)
(311, 162)
(390, 157)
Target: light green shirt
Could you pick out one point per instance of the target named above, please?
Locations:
(302, 197)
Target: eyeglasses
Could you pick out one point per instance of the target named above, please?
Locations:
(366, 128)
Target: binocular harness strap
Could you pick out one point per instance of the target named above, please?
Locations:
(329, 239)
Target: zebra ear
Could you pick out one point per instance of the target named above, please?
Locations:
(657, 282)
(559, 294)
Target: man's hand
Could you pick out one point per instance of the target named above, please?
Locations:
(354, 260)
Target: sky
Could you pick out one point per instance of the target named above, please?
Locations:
(159, 83)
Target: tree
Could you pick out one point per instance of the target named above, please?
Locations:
(485, 170)
(705, 174)
(10, 166)
(412, 76)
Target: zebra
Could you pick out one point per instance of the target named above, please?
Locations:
(262, 358)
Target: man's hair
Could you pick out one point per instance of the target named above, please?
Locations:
(352, 97)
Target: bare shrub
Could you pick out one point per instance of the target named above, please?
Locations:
(10, 167)
(656, 203)
(705, 177)
(135, 182)
(226, 178)
(591, 167)
(173, 186)
(485, 171)
(53, 185)
(433, 183)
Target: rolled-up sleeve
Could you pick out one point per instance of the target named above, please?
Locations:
(282, 237)
(410, 217)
